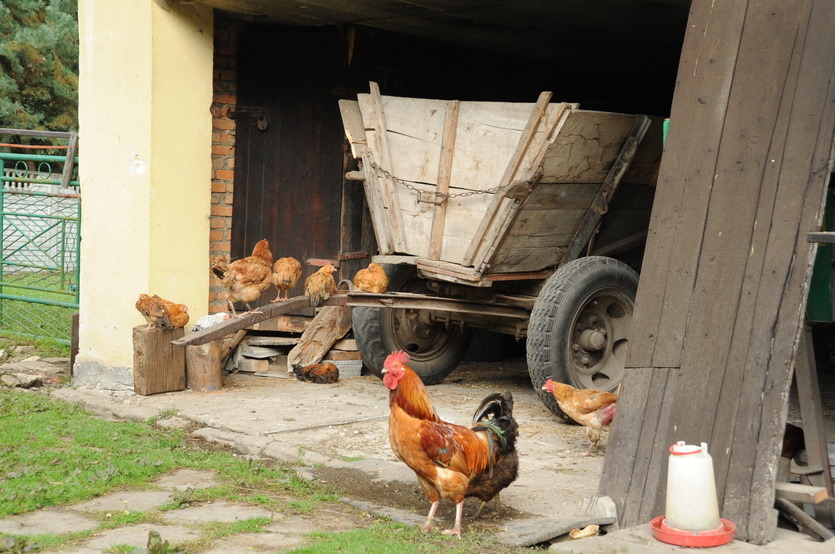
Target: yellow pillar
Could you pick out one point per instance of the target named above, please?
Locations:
(145, 88)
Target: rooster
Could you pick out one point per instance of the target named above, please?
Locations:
(591, 408)
(319, 286)
(286, 273)
(245, 279)
(450, 461)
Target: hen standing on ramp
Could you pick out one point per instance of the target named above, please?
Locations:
(245, 279)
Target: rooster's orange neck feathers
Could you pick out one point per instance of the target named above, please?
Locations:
(410, 396)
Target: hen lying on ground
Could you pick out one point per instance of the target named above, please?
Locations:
(325, 373)
(591, 408)
(245, 279)
(450, 461)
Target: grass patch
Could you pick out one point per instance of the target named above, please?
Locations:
(45, 348)
(53, 452)
(384, 537)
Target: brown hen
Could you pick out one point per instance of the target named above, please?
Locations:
(153, 310)
(326, 373)
(320, 286)
(245, 279)
(176, 314)
(371, 279)
(286, 273)
(591, 408)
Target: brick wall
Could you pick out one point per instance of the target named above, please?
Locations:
(223, 149)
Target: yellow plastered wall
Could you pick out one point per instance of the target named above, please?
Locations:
(145, 88)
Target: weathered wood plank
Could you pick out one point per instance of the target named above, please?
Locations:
(730, 264)
(329, 325)
(444, 174)
(795, 492)
(488, 231)
(387, 184)
(354, 128)
(685, 179)
(622, 445)
(811, 124)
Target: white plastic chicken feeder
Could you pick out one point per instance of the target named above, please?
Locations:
(692, 510)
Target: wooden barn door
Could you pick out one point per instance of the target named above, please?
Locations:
(720, 303)
(289, 164)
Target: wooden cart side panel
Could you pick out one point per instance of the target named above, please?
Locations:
(487, 133)
(586, 147)
(462, 216)
(572, 170)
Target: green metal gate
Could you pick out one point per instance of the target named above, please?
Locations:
(40, 212)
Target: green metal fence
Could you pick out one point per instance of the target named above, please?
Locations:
(40, 212)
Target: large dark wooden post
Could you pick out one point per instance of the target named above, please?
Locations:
(723, 286)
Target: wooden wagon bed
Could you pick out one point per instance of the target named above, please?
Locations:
(482, 191)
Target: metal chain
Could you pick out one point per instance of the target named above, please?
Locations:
(411, 187)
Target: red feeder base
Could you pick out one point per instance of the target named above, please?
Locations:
(716, 537)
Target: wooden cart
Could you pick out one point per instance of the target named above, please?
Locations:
(503, 216)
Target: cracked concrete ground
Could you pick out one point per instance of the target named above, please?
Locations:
(338, 434)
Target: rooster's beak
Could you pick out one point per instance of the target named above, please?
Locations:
(385, 370)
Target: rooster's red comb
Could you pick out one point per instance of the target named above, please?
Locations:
(398, 356)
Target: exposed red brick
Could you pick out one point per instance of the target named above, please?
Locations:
(223, 123)
(221, 210)
(224, 174)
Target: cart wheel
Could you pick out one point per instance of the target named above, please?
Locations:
(579, 327)
(434, 348)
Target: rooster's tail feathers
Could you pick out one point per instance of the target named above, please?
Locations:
(494, 406)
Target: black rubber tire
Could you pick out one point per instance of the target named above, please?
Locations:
(588, 297)
(434, 353)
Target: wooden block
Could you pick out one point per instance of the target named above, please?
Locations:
(204, 366)
(345, 344)
(340, 355)
(252, 365)
(795, 492)
(158, 365)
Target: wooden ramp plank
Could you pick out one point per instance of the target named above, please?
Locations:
(265, 312)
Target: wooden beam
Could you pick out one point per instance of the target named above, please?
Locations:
(795, 492)
(444, 174)
(387, 184)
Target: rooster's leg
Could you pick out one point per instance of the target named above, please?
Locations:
(232, 308)
(459, 511)
(428, 525)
